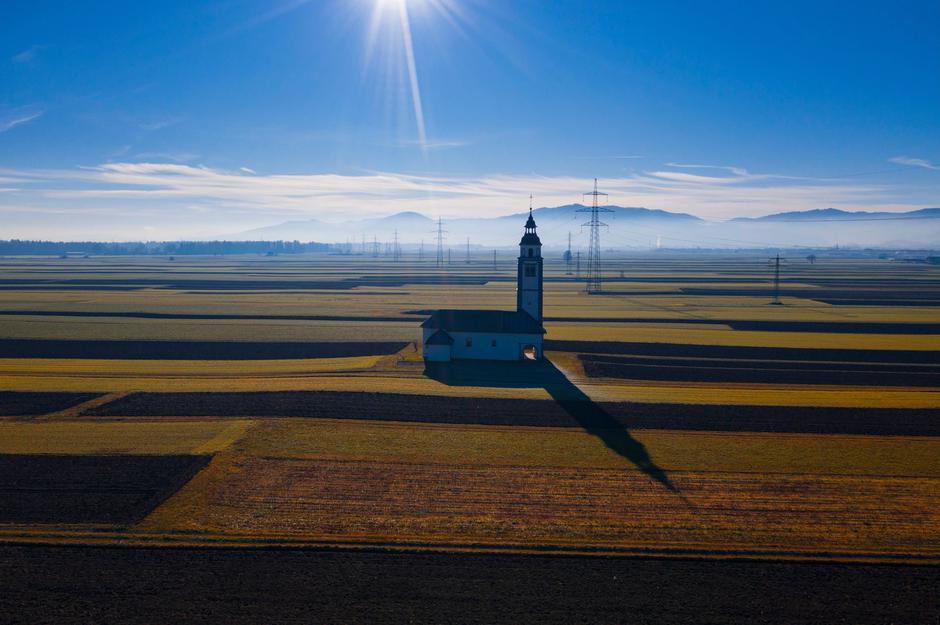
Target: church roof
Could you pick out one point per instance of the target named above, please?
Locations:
(440, 338)
(494, 321)
(530, 238)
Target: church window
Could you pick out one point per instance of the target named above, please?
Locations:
(469, 342)
(530, 271)
(530, 252)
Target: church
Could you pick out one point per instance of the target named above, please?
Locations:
(494, 334)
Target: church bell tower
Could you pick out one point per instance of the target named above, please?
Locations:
(529, 280)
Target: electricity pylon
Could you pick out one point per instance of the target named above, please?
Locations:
(594, 251)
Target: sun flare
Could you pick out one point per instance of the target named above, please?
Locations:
(390, 15)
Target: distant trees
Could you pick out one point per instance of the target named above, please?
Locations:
(17, 247)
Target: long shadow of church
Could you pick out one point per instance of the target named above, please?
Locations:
(544, 374)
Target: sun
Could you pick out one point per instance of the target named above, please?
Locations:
(398, 15)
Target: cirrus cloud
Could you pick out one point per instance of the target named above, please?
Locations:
(190, 198)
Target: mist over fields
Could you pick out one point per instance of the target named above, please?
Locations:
(630, 228)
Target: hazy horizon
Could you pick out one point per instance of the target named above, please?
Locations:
(187, 120)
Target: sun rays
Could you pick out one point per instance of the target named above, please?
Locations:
(390, 15)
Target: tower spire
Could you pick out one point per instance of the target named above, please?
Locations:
(529, 278)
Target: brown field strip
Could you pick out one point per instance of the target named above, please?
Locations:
(744, 452)
(349, 482)
(192, 369)
(119, 437)
(616, 508)
(411, 382)
(192, 350)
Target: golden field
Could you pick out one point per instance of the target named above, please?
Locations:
(351, 482)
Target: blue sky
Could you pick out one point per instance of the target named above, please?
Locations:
(183, 118)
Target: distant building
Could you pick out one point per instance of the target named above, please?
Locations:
(494, 334)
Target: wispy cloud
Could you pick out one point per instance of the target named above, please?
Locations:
(612, 157)
(738, 171)
(27, 55)
(914, 162)
(180, 187)
(17, 117)
(176, 157)
(158, 124)
(435, 144)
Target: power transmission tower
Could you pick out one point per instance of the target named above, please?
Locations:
(440, 242)
(577, 276)
(375, 247)
(448, 256)
(594, 251)
(468, 250)
(421, 251)
(396, 249)
(494, 260)
(775, 262)
(568, 257)
(363, 244)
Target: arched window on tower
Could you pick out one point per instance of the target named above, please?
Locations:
(530, 251)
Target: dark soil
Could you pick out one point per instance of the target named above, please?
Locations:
(190, 350)
(885, 295)
(89, 489)
(878, 302)
(131, 586)
(527, 412)
(169, 282)
(22, 404)
(760, 371)
(679, 350)
(149, 315)
(837, 327)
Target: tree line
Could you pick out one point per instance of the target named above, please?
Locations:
(17, 247)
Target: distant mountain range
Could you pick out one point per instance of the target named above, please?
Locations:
(834, 214)
(629, 227)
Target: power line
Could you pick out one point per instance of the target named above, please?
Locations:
(568, 257)
(440, 242)
(594, 251)
(776, 265)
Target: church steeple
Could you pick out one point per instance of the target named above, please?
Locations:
(529, 279)
(530, 237)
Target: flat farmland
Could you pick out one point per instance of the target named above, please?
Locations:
(87, 490)
(145, 586)
(70, 437)
(647, 490)
(227, 403)
(579, 509)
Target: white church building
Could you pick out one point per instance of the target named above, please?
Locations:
(494, 334)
